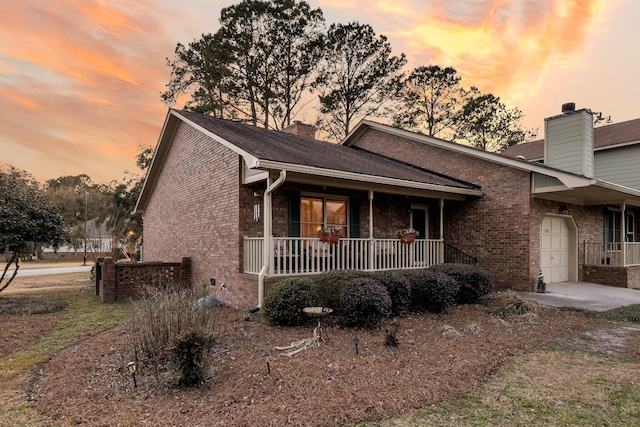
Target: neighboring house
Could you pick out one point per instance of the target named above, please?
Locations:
(100, 242)
(216, 188)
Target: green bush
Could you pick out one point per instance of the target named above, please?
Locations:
(433, 291)
(398, 287)
(190, 354)
(364, 302)
(286, 299)
(329, 286)
(474, 281)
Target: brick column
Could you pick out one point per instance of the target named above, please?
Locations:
(108, 280)
(185, 272)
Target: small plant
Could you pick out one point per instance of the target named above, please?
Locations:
(433, 291)
(391, 335)
(399, 289)
(286, 300)
(189, 356)
(364, 302)
(475, 283)
(405, 231)
(329, 230)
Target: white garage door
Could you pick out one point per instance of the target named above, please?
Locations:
(554, 250)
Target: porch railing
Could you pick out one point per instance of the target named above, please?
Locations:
(611, 254)
(299, 255)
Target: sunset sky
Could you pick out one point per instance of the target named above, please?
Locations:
(80, 80)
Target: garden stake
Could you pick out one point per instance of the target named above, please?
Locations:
(356, 340)
(131, 366)
(266, 356)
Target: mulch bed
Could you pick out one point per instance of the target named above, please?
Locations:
(438, 357)
(20, 331)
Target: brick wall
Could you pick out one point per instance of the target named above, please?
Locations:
(126, 280)
(193, 211)
(495, 228)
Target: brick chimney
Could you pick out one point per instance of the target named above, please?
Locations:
(301, 129)
(568, 141)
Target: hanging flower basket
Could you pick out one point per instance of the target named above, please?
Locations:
(408, 238)
(329, 237)
(407, 235)
(329, 234)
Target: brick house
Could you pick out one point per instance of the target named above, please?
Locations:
(216, 188)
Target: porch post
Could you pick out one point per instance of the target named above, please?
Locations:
(623, 231)
(441, 219)
(371, 242)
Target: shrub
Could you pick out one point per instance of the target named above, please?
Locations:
(160, 318)
(189, 356)
(398, 287)
(329, 286)
(364, 302)
(474, 281)
(433, 291)
(286, 299)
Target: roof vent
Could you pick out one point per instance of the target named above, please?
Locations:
(521, 157)
(569, 107)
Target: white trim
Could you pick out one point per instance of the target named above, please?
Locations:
(332, 173)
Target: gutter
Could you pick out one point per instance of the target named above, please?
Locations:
(268, 234)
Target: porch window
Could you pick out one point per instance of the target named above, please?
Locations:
(612, 227)
(319, 211)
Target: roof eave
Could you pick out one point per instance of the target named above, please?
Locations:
(352, 176)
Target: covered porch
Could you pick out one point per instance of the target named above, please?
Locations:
(365, 216)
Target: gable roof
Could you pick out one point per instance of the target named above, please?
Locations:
(270, 150)
(577, 188)
(604, 137)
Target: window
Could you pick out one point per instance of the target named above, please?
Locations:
(319, 211)
(612, 226)
(629, 227)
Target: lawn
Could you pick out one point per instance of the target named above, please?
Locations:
(466, 368)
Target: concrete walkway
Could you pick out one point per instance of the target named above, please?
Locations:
(587, 296)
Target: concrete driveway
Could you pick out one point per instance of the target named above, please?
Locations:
(587, 296)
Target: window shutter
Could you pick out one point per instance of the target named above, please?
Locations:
(355, 217)
(294, 214)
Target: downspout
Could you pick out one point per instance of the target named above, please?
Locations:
(267, 245)
(372, 256)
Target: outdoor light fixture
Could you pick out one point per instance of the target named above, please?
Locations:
(266, 355)
(356, 340)
(212, 282)
(256, 206)
(131, 366)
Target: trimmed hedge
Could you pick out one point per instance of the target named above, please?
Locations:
(433, 291)
(399, 289)
(284, 303)
(474, 281)
(329, 286)
(364, 302)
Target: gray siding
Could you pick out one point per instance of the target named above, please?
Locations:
(569, 143)
(620, 166)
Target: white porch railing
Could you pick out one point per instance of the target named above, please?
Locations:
(611, 254)
(632, 253)
(299, 255)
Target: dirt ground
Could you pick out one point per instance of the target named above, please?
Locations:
(438, 357)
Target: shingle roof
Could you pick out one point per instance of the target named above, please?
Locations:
(292, 149)
(603, 137)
